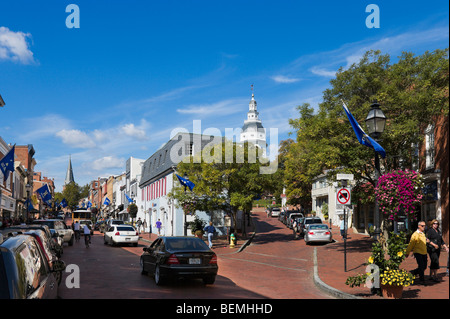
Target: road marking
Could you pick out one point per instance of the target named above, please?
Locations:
(261, 263)
(249, 252)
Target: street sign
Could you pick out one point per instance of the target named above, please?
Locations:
(343, 196)
(348, 177)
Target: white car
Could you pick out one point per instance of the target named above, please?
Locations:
(275, 212)
(121, 234)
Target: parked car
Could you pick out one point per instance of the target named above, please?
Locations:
(86, 222)
(121, 234)
(275, 211)
(175, 257)
(60, 227)
(43, 241)
(318, 233)
(56, 243)
(307, 221)
(281, 216)
(24, 270)
(291, 218)
(286, 216)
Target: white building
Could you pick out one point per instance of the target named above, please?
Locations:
(158, 179)
(322, 193)
(253, 130)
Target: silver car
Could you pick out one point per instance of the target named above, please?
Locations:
(318, 233)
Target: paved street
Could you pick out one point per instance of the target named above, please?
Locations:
(273, 266)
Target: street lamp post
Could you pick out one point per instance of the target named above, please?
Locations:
(375, 122)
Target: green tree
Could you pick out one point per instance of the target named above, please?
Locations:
(132, 210)
(72, 193)
(221, 183)
(411, 92)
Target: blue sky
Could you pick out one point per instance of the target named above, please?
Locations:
(135, 70)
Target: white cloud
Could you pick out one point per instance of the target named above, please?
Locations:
(108, 162)
(284, 79)
(225, 107)
(137, 132)
(76, 138)
(323, 72)
(14, 46)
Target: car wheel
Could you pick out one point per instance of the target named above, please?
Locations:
(209, 280)
(71, 241)
(104, 241)
(143, 271)
(159, 280)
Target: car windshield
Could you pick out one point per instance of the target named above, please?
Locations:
(125, 228)
(185, 244)
(322, 226)
(276, 209)
(85, 222)
(313, 221)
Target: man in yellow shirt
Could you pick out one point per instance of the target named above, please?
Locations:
(418, 245)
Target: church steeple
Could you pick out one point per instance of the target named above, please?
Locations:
(69, 175)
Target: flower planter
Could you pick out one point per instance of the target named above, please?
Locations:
(392, 292)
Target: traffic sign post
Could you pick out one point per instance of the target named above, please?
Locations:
(343, 196)
(343, 199)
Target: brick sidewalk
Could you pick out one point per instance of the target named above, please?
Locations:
(330, 259)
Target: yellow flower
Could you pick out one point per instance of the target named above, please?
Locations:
(400, 254)
(371, 260)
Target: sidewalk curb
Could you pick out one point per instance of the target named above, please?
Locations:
(326, 288)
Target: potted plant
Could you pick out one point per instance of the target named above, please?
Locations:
(197, 227)
(392, 278)
(325, 211)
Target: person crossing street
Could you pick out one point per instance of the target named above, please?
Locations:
(210, 230)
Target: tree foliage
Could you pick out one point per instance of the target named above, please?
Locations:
(72, 193)
(412, 92)
(221, 183)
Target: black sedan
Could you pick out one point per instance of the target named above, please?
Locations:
(176, 257)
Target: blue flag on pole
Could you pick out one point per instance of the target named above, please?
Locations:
(128, 198)
(63, 203)
(89, 204)
(45, 194)
(107, 201)
(29, 205)
(362, 137)
(185, 182)
(7, 163)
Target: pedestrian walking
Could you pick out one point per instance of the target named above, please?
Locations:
(144, 225)
(138, 225)
(418, 245)
(434, 246)
(294, 228)
(158, 226)
(210, 230)
(76, 229)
